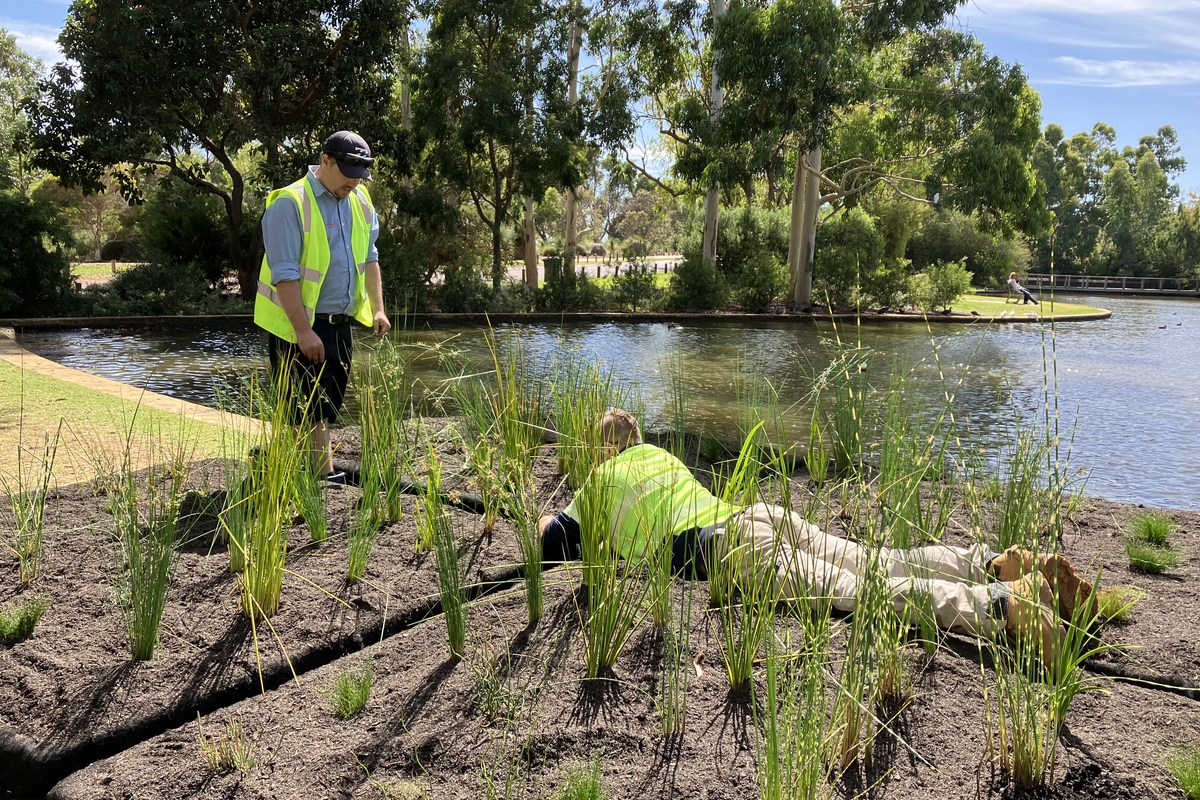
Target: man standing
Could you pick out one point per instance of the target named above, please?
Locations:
(320, 272)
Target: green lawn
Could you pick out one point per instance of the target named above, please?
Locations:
(95, 425)
(994, 306)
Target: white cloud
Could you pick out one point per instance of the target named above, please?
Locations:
(1119, 73)
(37, 39)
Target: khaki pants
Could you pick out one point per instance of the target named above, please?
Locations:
(806, 564)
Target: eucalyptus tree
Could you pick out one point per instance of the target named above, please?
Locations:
(151, 86)
(490, 105)
(19, 75)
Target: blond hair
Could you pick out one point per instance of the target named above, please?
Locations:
(620, 428)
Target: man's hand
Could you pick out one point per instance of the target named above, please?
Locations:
(311, 345)
(382, 324)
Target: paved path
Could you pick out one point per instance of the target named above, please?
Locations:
(21, 358)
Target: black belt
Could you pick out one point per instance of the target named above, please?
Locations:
(334, 319)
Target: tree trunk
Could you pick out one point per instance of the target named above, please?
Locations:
(716, 100)
(570, 235)
(796, 232)
(808, 236)
(406, 95)
(531, 247)
(497, 252)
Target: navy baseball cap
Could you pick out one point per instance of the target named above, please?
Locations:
(351, 153)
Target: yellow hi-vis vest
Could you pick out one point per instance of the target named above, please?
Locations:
(314, 259)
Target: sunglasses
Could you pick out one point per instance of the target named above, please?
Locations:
(354, 161)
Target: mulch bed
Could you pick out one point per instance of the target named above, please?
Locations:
(70, 697)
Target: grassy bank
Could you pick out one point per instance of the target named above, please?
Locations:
(94, 424)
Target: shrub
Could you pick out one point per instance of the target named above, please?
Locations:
(746, 234)
(848, 248)
(887, 284)
(17, 622)
(34, 274)
(953, 236)
(154, 289)
(464, 289)
(636, 286)
(694, 285)
(764, 277)
(940, 285)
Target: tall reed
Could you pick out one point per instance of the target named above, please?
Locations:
(614, 588)
(450, 587)
(27, 493)
(268, 514)
(677, 389)
(795, 724)
(310, 495)
(144, 521)
(1031, 692)
(367, 518)
(520, 497)
(383, 385)
(676, 675)
(583, 391)
(521, 407)
(745, 573)
(848, 379)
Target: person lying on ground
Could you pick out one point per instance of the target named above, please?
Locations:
(639, 489)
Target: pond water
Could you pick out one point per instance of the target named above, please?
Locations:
(1125, 388)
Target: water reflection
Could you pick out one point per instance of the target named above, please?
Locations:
(1125, 388)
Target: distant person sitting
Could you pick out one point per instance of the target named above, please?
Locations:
(1016, 288)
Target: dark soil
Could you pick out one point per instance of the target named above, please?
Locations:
(71, 699)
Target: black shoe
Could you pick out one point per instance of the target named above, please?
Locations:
(338, 478)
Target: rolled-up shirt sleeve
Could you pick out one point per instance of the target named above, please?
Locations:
(372, 250)
(283, 240)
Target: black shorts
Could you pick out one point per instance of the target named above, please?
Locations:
(561, 542)
(320, 388)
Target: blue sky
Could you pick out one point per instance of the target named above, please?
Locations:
(1134, 64)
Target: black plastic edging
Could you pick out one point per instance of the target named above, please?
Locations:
(26, 768)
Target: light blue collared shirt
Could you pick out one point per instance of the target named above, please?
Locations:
(283, 237)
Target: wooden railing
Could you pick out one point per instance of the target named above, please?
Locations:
(1113, 284)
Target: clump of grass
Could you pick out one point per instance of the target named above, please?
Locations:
(1184, 764)
(368, 518)
(1115, 603)
(310, 491)
(232, 750)
(582, 783)
(795, 726)
(1145, 557)
(519, 495)
(435, 528)
(145, 519)
(350, 690)
(492, 698)
(384, 388)
(1033, 692)
(17, 622)
(268, 497)
(27, 493)
(676, 675)
(1152, 528)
